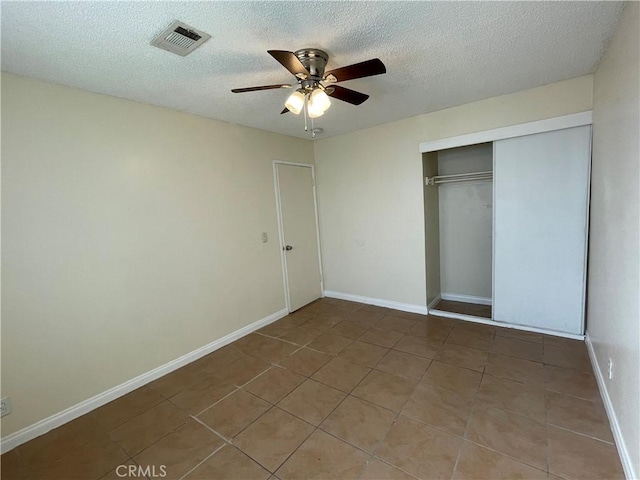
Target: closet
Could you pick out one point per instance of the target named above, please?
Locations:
(506, 227)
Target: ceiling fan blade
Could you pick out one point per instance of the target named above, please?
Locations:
(346, 94)
(263, 87)
(290, 62)
(284, 111)
(357, 70)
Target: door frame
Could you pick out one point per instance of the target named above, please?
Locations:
(283, 257)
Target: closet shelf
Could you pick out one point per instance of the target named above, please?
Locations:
(459, 177)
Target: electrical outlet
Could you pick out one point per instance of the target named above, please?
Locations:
(265, 237)
(610, 369)
(5, 406)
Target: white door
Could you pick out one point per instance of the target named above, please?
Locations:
(298, 233)
(541, 205)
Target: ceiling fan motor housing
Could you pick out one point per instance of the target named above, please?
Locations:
(315, 61)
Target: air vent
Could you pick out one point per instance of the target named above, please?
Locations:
(180, 38)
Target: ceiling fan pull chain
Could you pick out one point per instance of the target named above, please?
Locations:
(313, 130)
(305, 115)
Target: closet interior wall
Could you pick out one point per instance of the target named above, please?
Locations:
(459, 224)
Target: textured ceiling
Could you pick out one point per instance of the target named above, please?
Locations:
(438, 54)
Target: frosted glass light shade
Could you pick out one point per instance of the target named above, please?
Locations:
(314, 113)
(319, 100)
(295, 102)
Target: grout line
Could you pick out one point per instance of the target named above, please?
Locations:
(207, 458)
(238, 387)
(225, 439)
(217, 401)
(581, 434)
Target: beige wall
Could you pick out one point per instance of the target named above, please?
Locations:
(371, 195)
(613, 319)
(131, 236)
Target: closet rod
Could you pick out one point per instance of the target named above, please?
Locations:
(459, 177)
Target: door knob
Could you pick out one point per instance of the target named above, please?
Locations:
(288, 247)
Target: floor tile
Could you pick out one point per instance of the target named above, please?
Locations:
(571, 382)
(323, 456)
(476, 462)
(126, 407)
(273, 437)
(517, 348)
(385, 390)
(203, 394)
(574, 456)
(275, 384)
(298, 317)
(378, 470)
(516, 369)
(468, 338)
(578, 415)
(563, 343)
(395, 324)
(347, 329)
(341, 374)
(243, 370)
(435, 333)
(568, 358)
(116, 472)
(12, 467)
(176, 381)
(462, 381)
(365, 319)
(142, 431)
(323, 322)
(233, 414)
(439, 408)
(90, 461)
(59, 442)
(475, 327)
(519, 335)
(330, 344)
(515, 397)
(217, 360)
(514, 435)
(465, 357)
(312, 401)
(181, 450)
(421, 450)
(403, 365)
(420, 346)
(305, 361)
(229, 463)
(381, 338)
(359, 423)
(363, 353)
(276, 329)
(301, 335)
(268, 349)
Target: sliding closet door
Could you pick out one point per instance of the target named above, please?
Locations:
(541, 196)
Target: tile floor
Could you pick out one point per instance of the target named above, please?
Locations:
(341, 390)
(472, 309)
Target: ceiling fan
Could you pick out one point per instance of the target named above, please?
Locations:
(315, 86)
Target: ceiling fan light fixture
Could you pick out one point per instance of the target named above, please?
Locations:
(319, 100)
(315, 113)
(295, 102)
(318, 103)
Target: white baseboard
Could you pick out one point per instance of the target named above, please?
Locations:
(43, 426)
(621, 445)
(404, 307)
(433, 302)
(455, 297)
